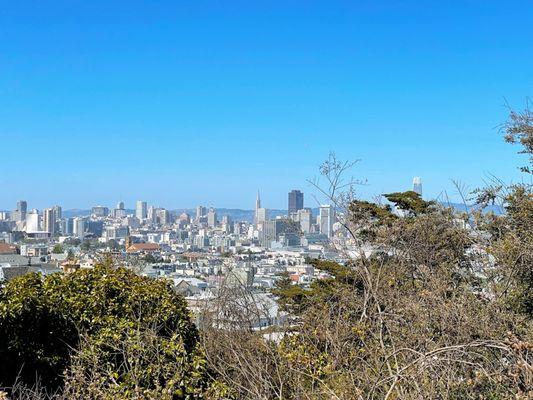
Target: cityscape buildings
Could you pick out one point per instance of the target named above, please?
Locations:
(326, 219)
(296, 201)
(141, 210)
(32, 221)
(195, 248)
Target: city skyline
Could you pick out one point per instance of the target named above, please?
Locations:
(178, 103)
(141, 208)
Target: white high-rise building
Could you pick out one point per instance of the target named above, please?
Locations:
(304, 217)
(119, 212)
(78, 227)
(326, 219)
(201, 211)
(257, 207)
(211, 217)
(32, 221)
(261, 215)
(417, 185)
(49, 220)
(164, 216)
(141, 210)
(58, 212)
(152, 214)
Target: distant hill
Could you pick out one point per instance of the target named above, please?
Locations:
(238, 214)
(75, 212)
(463, 208)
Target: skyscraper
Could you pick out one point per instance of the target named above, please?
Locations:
(58, 212)
(49, 220)
(304, 217)
(32, 221)
(261, 215)
(152, 214)
(20, 213)
(326, 219)
(201, 211)
(119, 212)
(257, 207)
(296, 201)
(78, 227)
(164, 216)
(67, 225)
(141, 210)
(211, 217)
(417, 185)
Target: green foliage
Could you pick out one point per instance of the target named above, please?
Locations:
(514, 250)
(42, 320)
(58, 249)
(519, 129)
(291, 297)
(361, 210)
(409, 201)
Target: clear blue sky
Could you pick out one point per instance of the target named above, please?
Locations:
(187, 102)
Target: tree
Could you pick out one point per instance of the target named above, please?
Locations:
(409, 201)
(433, 310)
(74, 326)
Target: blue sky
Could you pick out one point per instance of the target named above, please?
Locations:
(187, 102)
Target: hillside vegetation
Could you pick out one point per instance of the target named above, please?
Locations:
(442, 309)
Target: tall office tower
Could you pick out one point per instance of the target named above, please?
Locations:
(261, 215)
(296, 201)
(211, 217)
(164, 216)
(152, 214)
(201, 211)
(326, 219)
(78, 227)
(22, 206)
(58, 212)
(227, 224)
(141, 211)
(96, 227)
(257, 207)
(273, 228)
(417, 185)
(67, 225)
(20, 213)
(49, 220)
(305, 218)
(119, 212)
(32, 221)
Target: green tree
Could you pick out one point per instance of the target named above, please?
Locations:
(44, 319)
(409, 201)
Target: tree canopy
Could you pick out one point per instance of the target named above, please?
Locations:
(125, 332)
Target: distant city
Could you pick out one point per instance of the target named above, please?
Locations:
(192, 247)
(267, 226)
